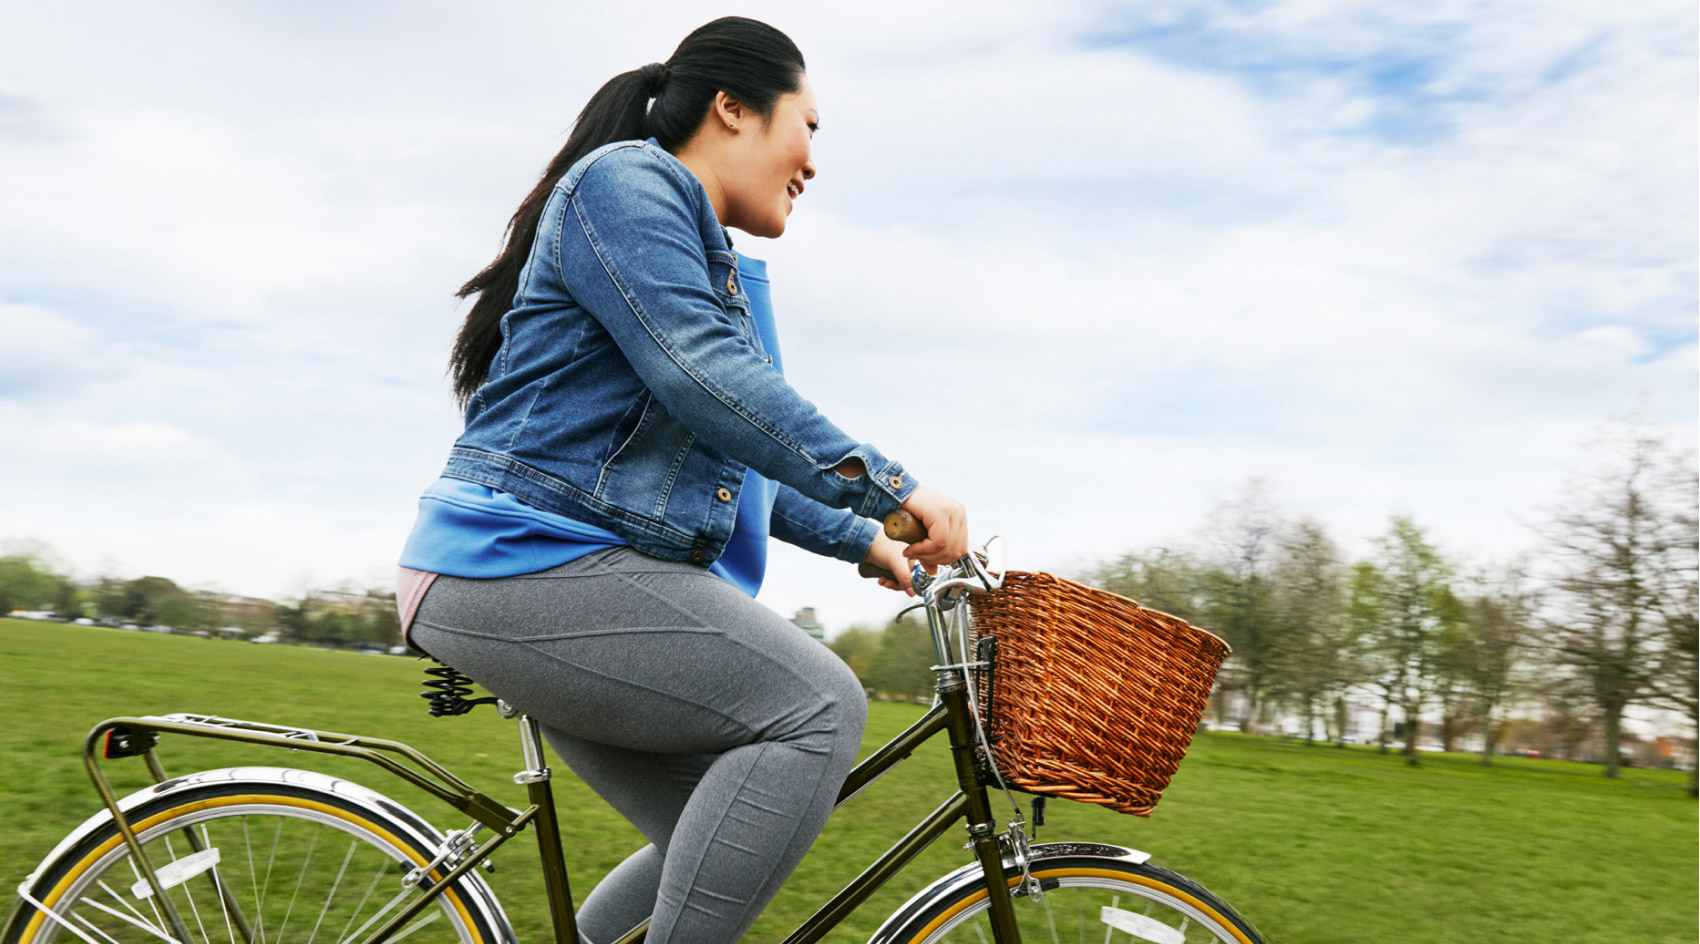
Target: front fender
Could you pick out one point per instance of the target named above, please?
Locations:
(954, 882)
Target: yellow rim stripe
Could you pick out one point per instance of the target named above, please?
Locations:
(1071, 871)
(54, 894)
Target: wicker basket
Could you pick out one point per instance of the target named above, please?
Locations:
(1091, 697)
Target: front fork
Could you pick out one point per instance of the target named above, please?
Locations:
(982, 825)
(959, 723)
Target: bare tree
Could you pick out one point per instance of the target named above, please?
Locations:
(1314, 659)
(1366, 614)
(1451, 674)
(1623, 545)
(1676, 683)
(1500, 627)
(1161, 578)
(1414, 593)
(1238, 593)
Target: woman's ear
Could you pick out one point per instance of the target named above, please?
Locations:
(729, 111)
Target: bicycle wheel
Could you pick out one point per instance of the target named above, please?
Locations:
(277, 857)
(1091, 894)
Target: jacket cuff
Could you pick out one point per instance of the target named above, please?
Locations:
(886, 487)
(854, 548)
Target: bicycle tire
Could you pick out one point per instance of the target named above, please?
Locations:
(299, 856)
(1089, 891)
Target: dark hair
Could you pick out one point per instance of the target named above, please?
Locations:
(748, 59)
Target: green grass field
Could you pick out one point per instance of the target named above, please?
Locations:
(1313, 844)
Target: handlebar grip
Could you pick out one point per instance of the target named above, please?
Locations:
(900, 526)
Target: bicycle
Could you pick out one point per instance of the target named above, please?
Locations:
(265, 855)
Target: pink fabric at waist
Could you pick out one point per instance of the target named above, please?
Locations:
(410, 587)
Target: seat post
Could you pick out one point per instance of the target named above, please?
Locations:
(535, 778)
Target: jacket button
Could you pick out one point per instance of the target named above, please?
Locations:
(731, 286)
(698, 557)
(723, 495)
(896, 481)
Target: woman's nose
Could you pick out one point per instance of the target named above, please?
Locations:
(809, 169)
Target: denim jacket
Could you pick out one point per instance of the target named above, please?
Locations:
(631, 390)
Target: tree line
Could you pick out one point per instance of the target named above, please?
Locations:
(31, 582)
(892, 661)
(1598, 617)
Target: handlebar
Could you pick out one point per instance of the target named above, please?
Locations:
(901, 526)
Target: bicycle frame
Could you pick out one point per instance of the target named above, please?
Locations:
(952, 713)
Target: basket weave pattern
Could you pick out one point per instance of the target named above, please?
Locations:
(1093, 697)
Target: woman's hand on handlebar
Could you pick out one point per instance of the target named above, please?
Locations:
(888, 555)
(946, 521)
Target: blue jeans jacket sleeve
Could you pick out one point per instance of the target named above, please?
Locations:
(812, 526)
(631, 249)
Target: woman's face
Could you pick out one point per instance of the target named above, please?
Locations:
(768, 164)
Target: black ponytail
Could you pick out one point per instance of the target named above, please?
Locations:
(748, 59)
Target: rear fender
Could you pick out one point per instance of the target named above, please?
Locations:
(381, 808)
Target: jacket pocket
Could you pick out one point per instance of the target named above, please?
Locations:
(639, 475)
(629, 426)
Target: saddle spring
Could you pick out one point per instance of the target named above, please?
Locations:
(448, 690)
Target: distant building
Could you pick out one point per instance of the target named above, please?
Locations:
(805, 621)
(346, 601)
(231, 611)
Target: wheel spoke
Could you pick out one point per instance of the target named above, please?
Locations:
(218, 887)
(418, 924)
(1080, 915)
(306, 863)
(188, 894)
(156, 932)
(383, 869)
(153, 905)
(398, 899)
(331, 895)
(120, 899)
(1051, 919)
(271, 860)
(92, 927)
(259, 922)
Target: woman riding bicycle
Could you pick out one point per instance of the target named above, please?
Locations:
(593, 548)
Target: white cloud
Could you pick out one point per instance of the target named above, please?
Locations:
(44, 350)
(144, 450)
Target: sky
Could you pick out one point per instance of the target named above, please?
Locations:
(1090, 267)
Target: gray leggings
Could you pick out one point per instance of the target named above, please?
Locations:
(720, 730)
